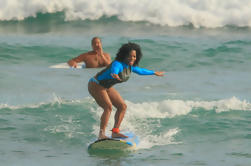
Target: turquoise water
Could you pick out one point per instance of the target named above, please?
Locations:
(197, 114)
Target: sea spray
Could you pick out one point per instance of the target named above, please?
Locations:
(204, 13)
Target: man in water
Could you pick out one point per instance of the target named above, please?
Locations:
(92, 59)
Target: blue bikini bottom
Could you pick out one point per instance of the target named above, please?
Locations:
(94, 80)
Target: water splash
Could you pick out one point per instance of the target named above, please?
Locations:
(206, 13)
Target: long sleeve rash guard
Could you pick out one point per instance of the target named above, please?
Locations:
(123, 70)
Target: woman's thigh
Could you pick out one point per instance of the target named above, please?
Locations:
(100, 95)
(116, 98)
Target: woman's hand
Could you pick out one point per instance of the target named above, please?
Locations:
(159, 73)
(116, 76)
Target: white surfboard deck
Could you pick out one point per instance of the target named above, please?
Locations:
(80, 65)
(116, 144)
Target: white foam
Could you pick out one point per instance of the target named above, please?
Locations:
(55, 99)
(207, 13)
(161, 109)
(171, 108)
(166, 138)
(144, 118)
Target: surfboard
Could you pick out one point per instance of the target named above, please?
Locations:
(115, 144)
(80, 65)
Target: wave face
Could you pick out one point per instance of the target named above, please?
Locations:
(199, 13)
(156, 123)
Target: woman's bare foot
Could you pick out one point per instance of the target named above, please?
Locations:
(118, 135)
(102, 135)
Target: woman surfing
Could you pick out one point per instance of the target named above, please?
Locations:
(101, 85)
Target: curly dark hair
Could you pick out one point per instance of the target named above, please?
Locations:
(125, 50)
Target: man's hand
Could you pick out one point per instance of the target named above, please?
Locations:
(72, 63)
(100, 50)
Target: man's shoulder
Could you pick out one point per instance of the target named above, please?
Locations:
(86, 54)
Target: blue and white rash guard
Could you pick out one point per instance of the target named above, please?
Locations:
(123, 70)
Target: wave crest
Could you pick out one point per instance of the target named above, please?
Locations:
(172, 108)
(206, 13)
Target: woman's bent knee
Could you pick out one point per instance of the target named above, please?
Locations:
(108, 108)
(123, 107)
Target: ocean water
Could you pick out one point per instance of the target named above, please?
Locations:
(199, 113)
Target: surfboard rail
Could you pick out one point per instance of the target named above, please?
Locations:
(80, 65)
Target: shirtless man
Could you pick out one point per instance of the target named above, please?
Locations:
(93, 59)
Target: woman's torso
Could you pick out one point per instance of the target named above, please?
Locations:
(105, 78)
